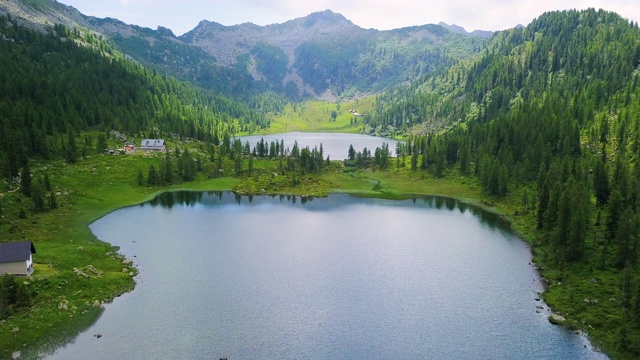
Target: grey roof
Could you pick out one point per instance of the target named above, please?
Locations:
(16, 251)
(152, 142)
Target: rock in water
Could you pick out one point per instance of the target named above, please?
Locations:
(556, 319)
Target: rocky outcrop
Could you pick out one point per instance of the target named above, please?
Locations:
(322, 55)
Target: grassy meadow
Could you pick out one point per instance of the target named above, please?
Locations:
(316, 116)
(63, 302)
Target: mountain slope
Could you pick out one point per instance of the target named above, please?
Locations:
(547, 123)
(582, 57)
(459, 29)
(322, 55)
(64, 82)
(328, 56)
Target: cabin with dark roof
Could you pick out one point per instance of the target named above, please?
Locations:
(15, 258)
(152, 145)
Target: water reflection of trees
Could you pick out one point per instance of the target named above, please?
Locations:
(190, 198)
(485, 217)
(169, 199)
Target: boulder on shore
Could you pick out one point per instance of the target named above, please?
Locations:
(556, 319)
(96, 304)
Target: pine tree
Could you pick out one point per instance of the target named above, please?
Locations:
(23, 296)
(219, 169)
(352, 153)
(579, 222)
(636, 305)
(627, 238)
(152, 177)
(188, 168)
(53, 203)
(38, 199)
(25, 180)
(140, 178)
(238, 165)
(71, 154)
(503, 179)
(9, 287)
(101, 145)
(616, 207)
(601, 183)
(167, 169)
(46, 182)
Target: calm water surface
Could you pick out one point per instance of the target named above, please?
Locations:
(334, 145)
(337, 277)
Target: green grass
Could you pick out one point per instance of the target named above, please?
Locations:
(87, 191)
(100, 184)
(315, 116)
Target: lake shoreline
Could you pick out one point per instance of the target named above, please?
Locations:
(407, 197)
(395, 185)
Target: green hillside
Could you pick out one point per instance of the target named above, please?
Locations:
(542, 123)
(548, 119)
(59, 84)
(320, 56)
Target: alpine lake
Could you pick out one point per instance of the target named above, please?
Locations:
(290, 277)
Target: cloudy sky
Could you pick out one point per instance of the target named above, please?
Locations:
(183, 15)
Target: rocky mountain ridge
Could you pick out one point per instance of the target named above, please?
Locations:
(322, 55)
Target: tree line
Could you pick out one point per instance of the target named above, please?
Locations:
(63, 82)
(550, 111)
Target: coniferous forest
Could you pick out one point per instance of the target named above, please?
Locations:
(551, 112)
(545, 119)
(64, 82)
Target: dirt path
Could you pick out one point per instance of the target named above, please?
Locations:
(14, 190)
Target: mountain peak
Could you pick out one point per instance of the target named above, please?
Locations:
(165, 31)
(326, 17)
(453, 27)
(460, 30)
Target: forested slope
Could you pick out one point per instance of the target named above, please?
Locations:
(550, 114)
(58, 84)
(322, 55)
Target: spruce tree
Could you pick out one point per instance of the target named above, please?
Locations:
(601, 183)
(152, 177)
(38, 199)
(25, 180)
(140, 177)
(71, 154)
(53, 203)
(46, 183)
